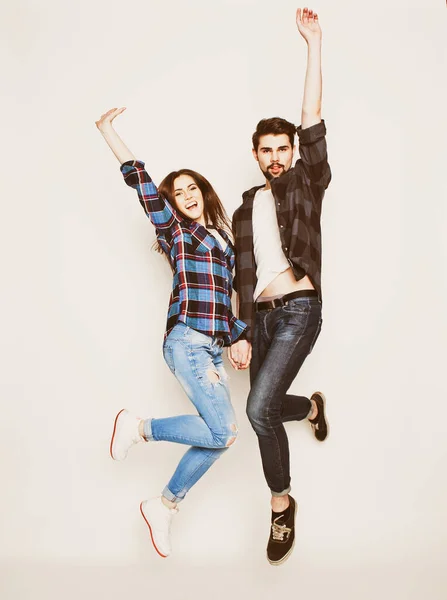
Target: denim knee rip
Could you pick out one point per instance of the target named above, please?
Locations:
(232, 439)
(216, 376)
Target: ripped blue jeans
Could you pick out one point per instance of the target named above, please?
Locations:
(196, 361)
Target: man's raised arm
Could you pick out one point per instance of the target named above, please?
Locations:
(308, 26)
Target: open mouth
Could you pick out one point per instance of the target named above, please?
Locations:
(190, 205)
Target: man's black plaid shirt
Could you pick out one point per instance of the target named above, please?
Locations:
(298, 195)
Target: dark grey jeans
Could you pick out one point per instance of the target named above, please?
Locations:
(282, 338)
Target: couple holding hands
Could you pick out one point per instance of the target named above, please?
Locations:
(274, 245)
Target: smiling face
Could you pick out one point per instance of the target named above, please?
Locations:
(274, 154)
(189, 198)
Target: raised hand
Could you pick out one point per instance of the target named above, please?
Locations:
(116, 144)
(308, 25)
(107, 118)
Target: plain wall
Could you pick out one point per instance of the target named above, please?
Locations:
(84, 298)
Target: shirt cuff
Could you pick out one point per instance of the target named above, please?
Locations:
(311, 134)
(244, 335)
(132, 163)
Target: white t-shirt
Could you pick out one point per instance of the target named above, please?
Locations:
(218, 237)
(269, 256)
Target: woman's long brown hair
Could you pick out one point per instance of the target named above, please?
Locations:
(215, 214)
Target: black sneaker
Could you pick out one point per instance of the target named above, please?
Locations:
(282, 536)
(319, 424)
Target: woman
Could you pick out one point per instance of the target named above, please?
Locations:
(191, 225)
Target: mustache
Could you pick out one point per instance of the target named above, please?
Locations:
(268, 174)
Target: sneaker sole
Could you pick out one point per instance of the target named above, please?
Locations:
(323, 397)
(114, 432)
(150, 531)
(286, 556)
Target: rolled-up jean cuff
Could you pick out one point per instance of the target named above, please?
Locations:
(166, 493)
(279, 494)
(147, 429)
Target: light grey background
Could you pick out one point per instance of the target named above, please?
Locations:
(84, 298)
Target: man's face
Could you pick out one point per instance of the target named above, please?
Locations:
(274, 154)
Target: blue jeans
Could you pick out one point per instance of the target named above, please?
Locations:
(282, 338)
(196, 361)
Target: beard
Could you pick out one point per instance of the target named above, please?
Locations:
(269, 175)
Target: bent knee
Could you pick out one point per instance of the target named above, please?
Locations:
(261, 418)
(225, 440)
(256, 414)
(233, 436)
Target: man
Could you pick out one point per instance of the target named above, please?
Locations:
(278, 269)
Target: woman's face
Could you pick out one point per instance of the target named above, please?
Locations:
(188, 198)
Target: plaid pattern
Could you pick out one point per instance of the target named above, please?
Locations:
(202, 285)
(298, 195)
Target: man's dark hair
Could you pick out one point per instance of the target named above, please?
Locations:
(274, 126)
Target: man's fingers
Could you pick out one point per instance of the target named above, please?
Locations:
(239, 354)
(233, 364)
(231, 358)
(305, 16)
(245, 358)
(246, 362)
(240, 357)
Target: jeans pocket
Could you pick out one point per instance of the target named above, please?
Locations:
(199, 340)
(297, 305)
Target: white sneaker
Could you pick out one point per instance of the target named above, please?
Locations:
(125, 434)
(158, 518)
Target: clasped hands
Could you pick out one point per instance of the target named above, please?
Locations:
(239, 354)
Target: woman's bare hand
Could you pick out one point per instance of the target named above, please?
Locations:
(106, 119)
